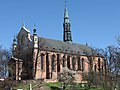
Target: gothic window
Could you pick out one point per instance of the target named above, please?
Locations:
(79, 63)
(95, 68)
(99, 64)
(91, 63)
(58, 63)
(68, 62)
(102, 67)
(42, 61)
(53, 62)
(105, 65)
(64, 61)
(82, 64)
(73, 63)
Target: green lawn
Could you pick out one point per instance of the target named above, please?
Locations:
(56, 84)
(23, 86)
(53, 86)
(70, 87)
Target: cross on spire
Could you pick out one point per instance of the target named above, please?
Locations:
(34, 26)
(65, 3)
(23, 24)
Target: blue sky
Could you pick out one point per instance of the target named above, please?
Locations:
(96, 22)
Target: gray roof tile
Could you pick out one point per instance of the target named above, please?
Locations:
(60, 46)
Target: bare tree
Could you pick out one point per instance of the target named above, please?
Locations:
(118, 40)
(67, 77)
(112, 70)
(4, 58)
(22, 57)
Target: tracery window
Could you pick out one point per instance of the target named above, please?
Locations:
(79, 63)
(99, 64)
(82, 64)
(42, 61)
(64, 61)
(95, 68)
(102, 67)
(53, 62)
(73, 63)
(68, 62)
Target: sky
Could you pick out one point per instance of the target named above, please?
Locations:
(95, 22)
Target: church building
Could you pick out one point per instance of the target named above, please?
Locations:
(35, 57)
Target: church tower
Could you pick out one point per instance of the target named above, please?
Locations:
(14, 46)
(67, 37)
(35, 38)
(35, 51)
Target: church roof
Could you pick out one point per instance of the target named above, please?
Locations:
(60, 46)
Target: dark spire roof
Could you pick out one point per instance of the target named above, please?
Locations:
(66, 16)
(66, 13)
(67, 36)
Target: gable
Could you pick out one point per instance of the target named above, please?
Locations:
(23, 38)
(23, 33)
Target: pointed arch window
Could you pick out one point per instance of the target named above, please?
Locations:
(68, 62)
(82, 64)
(102, 67)
(79, 63)
(95, 68)
(99, 64)
(73, 63)
(42, 61)
(91, 62)
(64, 61)
(58, 62)
(105, 66)
(53, 62)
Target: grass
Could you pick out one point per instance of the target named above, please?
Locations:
(97, 89)
(21, 86)
(24, 86)
(54, 86)
(77, 87)
(71, 87)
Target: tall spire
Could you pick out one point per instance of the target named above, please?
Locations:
(66, 11)
(67, 37)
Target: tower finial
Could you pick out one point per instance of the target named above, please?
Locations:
(34, 26)
(23, 25)
(14, 36)
(65, 3)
